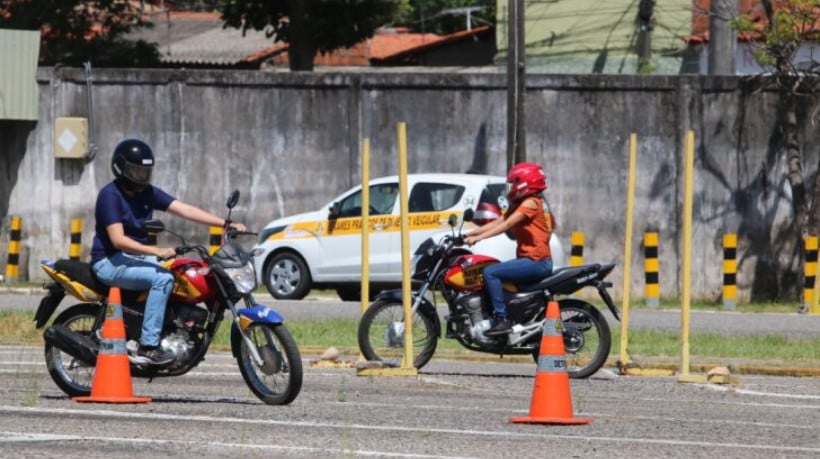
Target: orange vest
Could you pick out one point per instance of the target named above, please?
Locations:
(532, 234)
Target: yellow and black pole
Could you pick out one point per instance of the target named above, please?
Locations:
(810, 270)
(576, 255)
(729, 271)
(652, 290)
(12, 268)
(214, 239)
(75, 248)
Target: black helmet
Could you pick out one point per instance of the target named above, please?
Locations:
(132, 163)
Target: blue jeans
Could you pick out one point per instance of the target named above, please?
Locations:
(140, 272)
(521, 270)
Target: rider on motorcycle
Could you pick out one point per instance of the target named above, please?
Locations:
(529, 225)
(120, 255)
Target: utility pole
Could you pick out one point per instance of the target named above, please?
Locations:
(722, 39)
(516, 84)
(646, 10)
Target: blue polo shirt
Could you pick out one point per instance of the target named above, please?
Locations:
(114, 206)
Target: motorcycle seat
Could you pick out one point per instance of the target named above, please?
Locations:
(81, 272)
(559, 277)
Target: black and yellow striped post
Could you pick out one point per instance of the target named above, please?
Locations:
(576, 257)
(810, 272)
(75, 248)
(652, 290)
(729, 271)
(215, 239)
(12, 268)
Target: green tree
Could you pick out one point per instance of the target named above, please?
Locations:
(790, 24)
(313, 26)
(75, 31)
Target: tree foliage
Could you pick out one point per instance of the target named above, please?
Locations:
(778, 36)
(312, 26)
(74, 31)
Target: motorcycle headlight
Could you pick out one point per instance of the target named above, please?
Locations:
(244, 278)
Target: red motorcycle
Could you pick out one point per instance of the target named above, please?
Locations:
(453, 271)
(204, 289)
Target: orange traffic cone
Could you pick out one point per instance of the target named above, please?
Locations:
(112, 375)
(551, 399)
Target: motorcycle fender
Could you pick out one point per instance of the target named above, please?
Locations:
(48, 304)
(426, 308)
(247, 316)
(75, 288)
(259, 314)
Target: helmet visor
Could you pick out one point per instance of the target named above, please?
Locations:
(137, 174)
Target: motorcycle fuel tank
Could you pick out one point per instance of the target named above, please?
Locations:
(465, 274)
(192, 280)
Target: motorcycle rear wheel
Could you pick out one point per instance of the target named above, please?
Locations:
(587, 339)
(279, 380)
(70, 374)
(381, 335)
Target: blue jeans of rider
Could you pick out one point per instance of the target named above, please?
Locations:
(140, 272)
(517, 270)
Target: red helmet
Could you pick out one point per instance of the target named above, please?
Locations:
(525, 179)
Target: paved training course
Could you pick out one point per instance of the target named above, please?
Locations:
(452, 409)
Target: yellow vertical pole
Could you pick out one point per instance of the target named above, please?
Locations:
(365, 224)
(630, 205)
(75, 247)
(652, 290)
(810, 270)
(688, 198)
(407, 361)
(214, 239)
(577, 251)
(729, 271)
(12, 267)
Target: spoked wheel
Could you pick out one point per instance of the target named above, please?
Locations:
(279, 379)
(587, 339)
(381, 335)
(70, 374)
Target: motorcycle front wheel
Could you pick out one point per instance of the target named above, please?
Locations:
(587, 339)
(381, 335)
(279, 379)
(70, 374)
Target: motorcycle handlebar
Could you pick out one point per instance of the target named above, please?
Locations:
(232, 233)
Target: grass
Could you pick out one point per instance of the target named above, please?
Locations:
(17, 328)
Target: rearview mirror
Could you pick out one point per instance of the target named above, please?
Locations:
(333, 212)
(233, 199)
(452, 221)
(468, 215)
(153, 226)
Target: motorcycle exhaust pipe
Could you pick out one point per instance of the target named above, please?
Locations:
(74, 344)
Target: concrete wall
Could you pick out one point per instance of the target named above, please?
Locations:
(290, 142)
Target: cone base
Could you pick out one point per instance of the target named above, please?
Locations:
(545, 420)
(112, 399)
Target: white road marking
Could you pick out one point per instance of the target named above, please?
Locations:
(764, 394)
(26, 437)
(388, 428)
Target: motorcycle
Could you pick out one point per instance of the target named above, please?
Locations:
(453, 271)
(203, 290)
